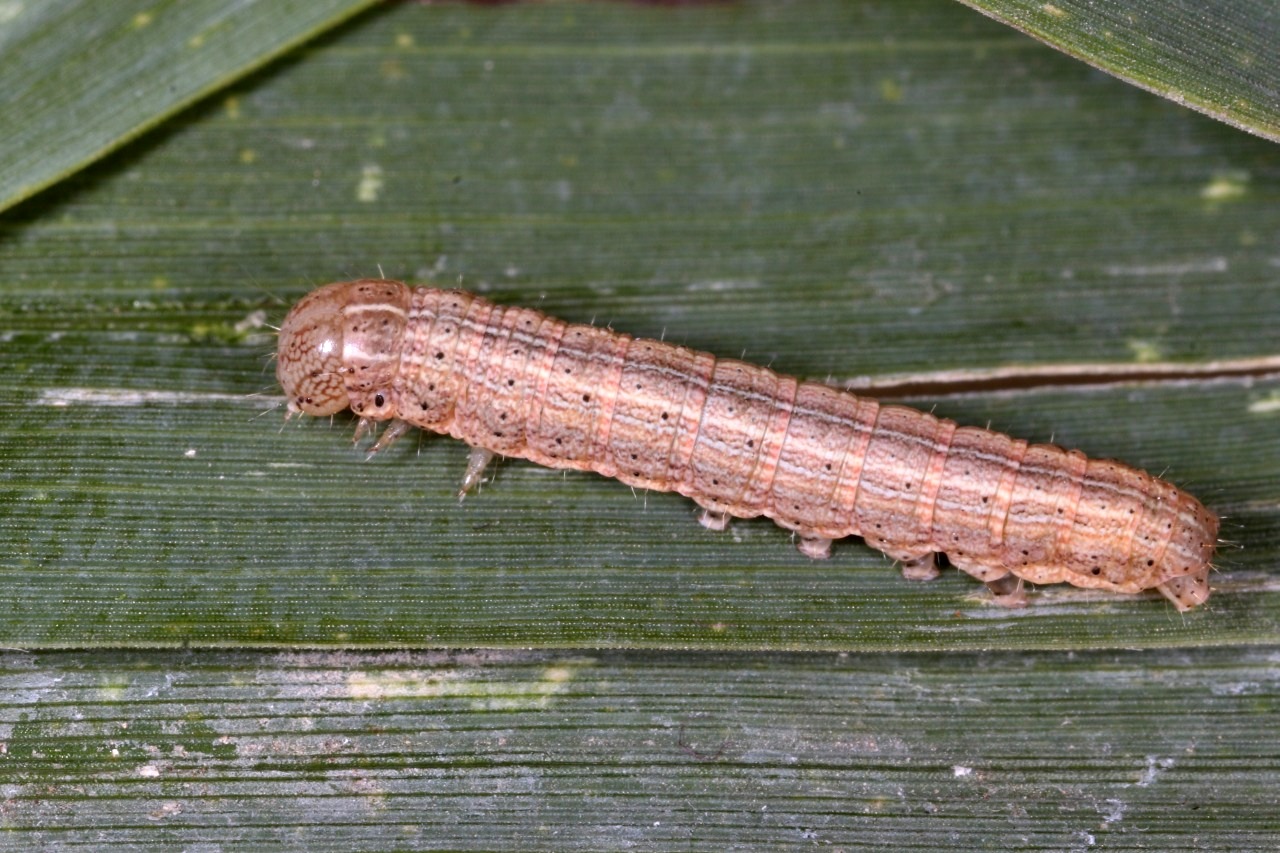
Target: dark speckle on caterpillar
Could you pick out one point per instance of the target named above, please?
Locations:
(741, 440)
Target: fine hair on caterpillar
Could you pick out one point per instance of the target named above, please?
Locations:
(741, 441)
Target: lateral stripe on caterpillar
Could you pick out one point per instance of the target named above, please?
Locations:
(742, 441)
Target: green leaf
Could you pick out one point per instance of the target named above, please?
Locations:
(799, 187)
(1218, 57)
(82, 78)
(611, 751)
(895, 197)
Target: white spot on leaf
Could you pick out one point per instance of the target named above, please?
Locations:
(370, 186)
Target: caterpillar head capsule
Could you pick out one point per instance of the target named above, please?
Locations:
(340, 347)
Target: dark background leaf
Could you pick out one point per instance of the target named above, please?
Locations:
(80, 79)
(1221, 57)
(880, 195)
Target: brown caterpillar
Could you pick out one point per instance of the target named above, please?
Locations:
(741, 441)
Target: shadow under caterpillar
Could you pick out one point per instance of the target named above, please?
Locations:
(741, 441)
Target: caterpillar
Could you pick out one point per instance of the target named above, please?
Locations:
(741, 441)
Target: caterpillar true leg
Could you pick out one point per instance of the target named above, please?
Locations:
(393, 433)
(477, 461)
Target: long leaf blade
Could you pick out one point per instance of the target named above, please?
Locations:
(1221, 57)
(80, 79)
